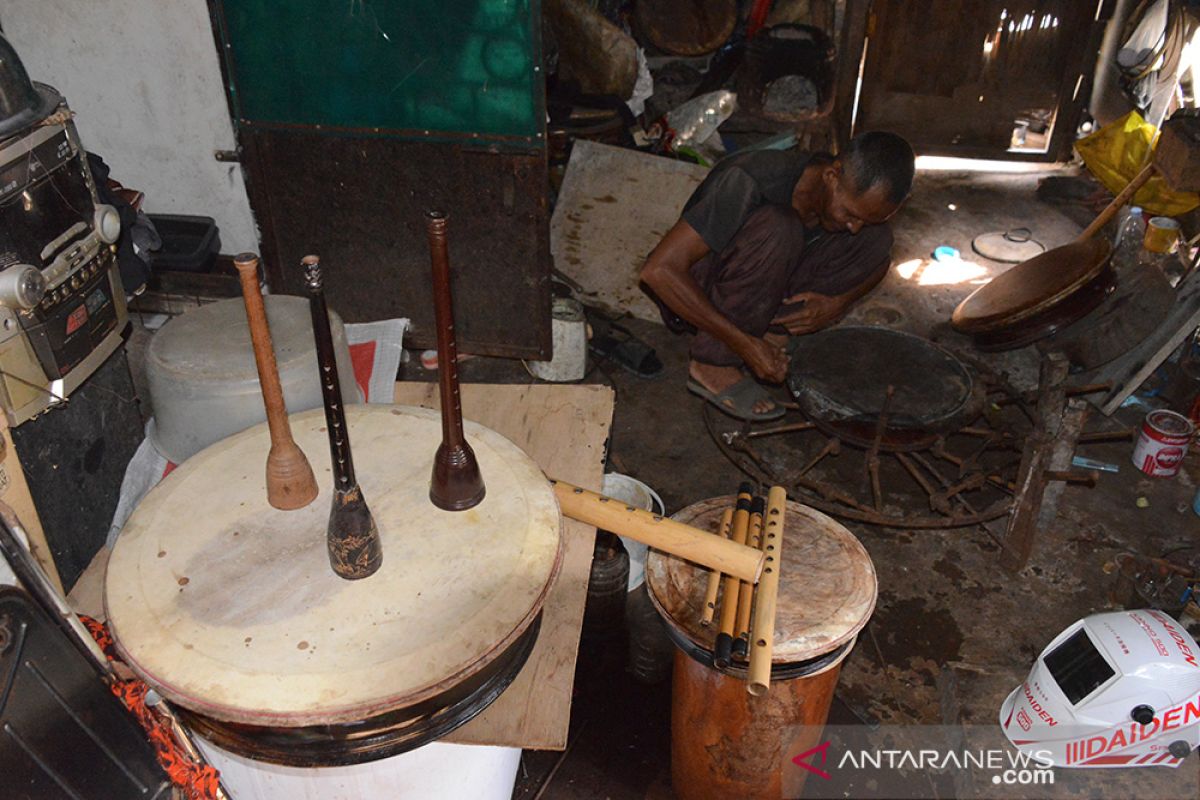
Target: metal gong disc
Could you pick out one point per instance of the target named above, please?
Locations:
(840, 379)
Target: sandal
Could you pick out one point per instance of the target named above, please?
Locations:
(738, 400)
(626, 350)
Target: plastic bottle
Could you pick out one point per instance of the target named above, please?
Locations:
(1127, 247)
(1132, 229)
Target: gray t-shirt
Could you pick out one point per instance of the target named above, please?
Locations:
(736, 187)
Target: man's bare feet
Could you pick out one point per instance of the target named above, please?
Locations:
(717, 379)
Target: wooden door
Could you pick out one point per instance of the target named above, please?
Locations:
(955, 77)
(355, 118)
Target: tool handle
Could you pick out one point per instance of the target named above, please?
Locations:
(1117, 203)
(290, 480)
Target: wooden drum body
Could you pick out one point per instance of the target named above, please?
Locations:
(724, 741)
(229, 607)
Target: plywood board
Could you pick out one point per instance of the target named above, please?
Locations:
(564, 429)
(614, 206)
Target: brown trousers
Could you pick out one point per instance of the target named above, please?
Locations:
(769, 261)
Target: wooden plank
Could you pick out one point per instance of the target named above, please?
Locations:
(603, 228)
(564, 429)
(1127, 373)
(1061, 454)
(1031, 478)
(14, 490)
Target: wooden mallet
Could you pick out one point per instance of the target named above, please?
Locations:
(290, 480)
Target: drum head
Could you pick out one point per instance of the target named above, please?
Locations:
(827, 586)
(840, 377)
(229, 607)
(1032, 288)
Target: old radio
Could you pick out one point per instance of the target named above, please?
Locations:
(62, 307)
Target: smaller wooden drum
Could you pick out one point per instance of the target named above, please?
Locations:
(229, 607)
(725, 742)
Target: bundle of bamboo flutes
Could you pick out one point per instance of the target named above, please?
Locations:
(742, 637)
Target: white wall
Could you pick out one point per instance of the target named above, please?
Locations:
(145, 85)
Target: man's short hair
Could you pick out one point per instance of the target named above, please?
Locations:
(879, 158)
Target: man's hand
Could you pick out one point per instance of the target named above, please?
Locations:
(767, 361)
(818, 311)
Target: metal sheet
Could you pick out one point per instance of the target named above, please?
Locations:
(842, 375)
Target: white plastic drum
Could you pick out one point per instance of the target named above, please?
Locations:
(204, 381)
(436, 771)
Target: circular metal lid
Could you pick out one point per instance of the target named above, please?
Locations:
(827, 586)
(842, 375)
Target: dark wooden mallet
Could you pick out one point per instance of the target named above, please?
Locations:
(456, 484)
(353, 539)
(290, 481)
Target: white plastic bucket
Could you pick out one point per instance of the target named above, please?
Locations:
(633, 492)
(438, 770)
(568, 328)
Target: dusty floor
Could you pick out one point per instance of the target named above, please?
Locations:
(953, 633)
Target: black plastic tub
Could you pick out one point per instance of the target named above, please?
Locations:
(190, 244)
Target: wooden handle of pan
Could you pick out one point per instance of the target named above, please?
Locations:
(659, 532)
(714, 576)
(290, 480)
(1118, 202)
(763, 635)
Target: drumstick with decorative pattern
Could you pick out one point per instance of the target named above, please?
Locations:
(456, 484)
(714, 575)
(746, 590)
(763, 631)
(290, 480)
(723, 649)
(352, 539)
